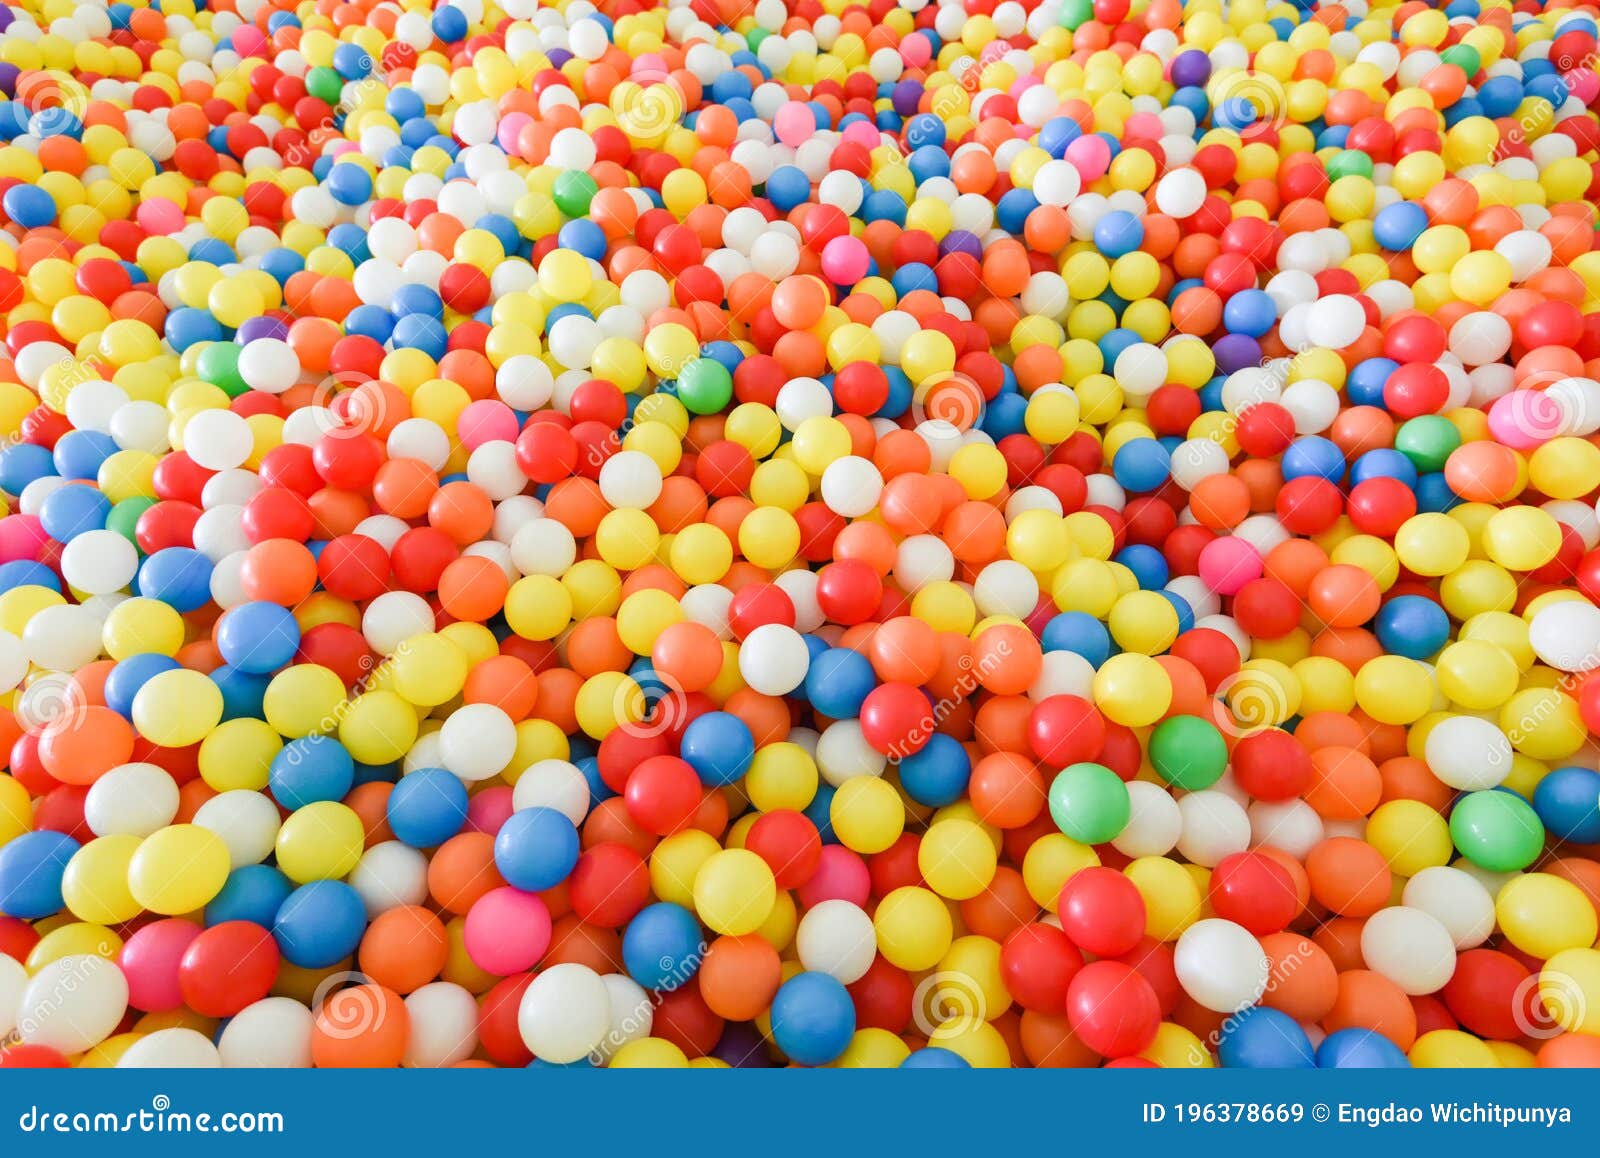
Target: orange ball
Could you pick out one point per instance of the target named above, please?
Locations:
(363, 1027)
(404, 948)
(739, 976)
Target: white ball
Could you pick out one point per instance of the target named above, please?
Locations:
(1565, 635)
(171, 1049)
(100, 562)
(632, 1012)
(1220, 965)
(1181, 193)
(836, 938)
(1006, 587)
(524, 382)
(92, 405)
(1214, 827)
(1292, 825)
(851, 486)
(218, 439)
(1480, 337)
(271, 1034)
(1455, 899)
(565, 1013)
(774, 659)
(444, 1026)
(843, 753)
(246, 821)
(1063, 673)
(421, 439)
(630, 479)
(141, 425)
(219, 532)
(1409, 947)
(477, 741)
(269, 365)
(1336, 321)
(1467, 753)
(131, 799)
(72, 1003)
(63, 637)
(394, 617)
(389, 875)
(543, 547)
(1155, 821)
(553, 784)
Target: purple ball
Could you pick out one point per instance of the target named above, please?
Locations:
(559, 57)
(905, 97)
(8, 72)
(255, 329)
(1191, 68)
(742, 1047)
(960, 241)
(1235, 352)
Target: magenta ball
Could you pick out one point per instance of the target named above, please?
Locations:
(507, 931)
(844, 260)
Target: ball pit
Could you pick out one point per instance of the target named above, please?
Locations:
(922, 534)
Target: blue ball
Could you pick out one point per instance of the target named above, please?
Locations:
(258, 637)
(1260, 1038)
(29, 206)
(450, 24)
(931, 1057)
(178, 576)
(1080, 632)
(22, 464)
(68, 512)
(1149, 566)
(131, 674)
(813, 1018)
(838, 681)
(1413, 626)
(536, 849)
(938, 774)
(243, 692)
(1360, 1049)
(1314, 456)
(787, 186)
(820, 813)
(719, 746)
(662, 946)
(80, 453)
(309, 770)
(252, 892)
(31, 868)
(1364, 386)
(27, 573)
(1568, 802)
(1384, 462)
(427, 807)
(1118, 233)
(1398, 226)
(319, 924)
(1250, 312)
(1142, 464)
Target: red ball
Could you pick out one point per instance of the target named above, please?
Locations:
(897, 719)
(1253, 890)
(1416, 338)
(848, 591)
(883, 997)
(662, 794)
(608, 885)
(1066, 730)
(1266, 608)
(228, 967)
(1271, 765)
(546, 452)
(1102, 911)
(1265, 430)
(758, 604)
(789, 843)
(1415, 389)
(1379, 505)
(354, 567)
(1113, 1009)
(1038, 963)
(1491, 994)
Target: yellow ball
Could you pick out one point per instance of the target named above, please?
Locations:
(1394, 690)
(1144, 622)
(178, 869)
(957, 858)
(734, 892)
(429, 670)
(321, 841)
(1543, 915)
(303, 700)
(913, 927)
(866, 814)
(1569, 990)
(95, 885)
(1522, 538)
(378, 727)
(675, 862)
(1172, 899)
(1451, 1049)
(1410, 835)
(1132, 689)
(177, 708)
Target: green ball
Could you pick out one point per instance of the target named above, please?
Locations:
(573, 191)
(1188, 752)
(219, 365)
(1075, 13)
(325, 84)
(705, 386)
(1464, 57)
(124, 517)
(1497, 830)
(1427, 441)
(1350, 163)
(1089, 802)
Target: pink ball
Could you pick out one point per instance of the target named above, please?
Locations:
(1583, 83)
(1228, 563)
(248, 40)
(507, 931)
(510, 128)
(845, 260)
(21, 537)
(1524, 419)
(150, 960)
(159, 216)
(489, 809)
(862, 133)
(1144, 125)
(841, 876)
(486, 420)
(1091, 156)
(916, 51)
(794, 124)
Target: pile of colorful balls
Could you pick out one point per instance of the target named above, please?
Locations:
(709, 533)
